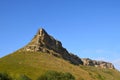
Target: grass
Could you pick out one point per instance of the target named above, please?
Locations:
(35, 64)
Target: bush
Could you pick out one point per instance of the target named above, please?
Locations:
(5, 76)
(23, 77)
(100, 77)
(53, 75)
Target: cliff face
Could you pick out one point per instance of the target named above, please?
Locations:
(43, 42)
(101, 64)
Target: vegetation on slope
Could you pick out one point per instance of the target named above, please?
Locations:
(36, 64)
(5, 76)
(49, 75)
(54, 75)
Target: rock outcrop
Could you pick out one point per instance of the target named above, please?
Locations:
(43, 42)
(101, 64)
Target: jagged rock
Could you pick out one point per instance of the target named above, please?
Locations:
(43, 42)
(101, 64)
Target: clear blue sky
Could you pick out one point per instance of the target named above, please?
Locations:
(87, 28)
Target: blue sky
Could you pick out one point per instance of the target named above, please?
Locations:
(87, 28)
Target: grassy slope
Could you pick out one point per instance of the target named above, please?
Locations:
(35, 64)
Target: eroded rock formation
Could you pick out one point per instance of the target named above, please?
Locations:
(101, 64)
(43, 42)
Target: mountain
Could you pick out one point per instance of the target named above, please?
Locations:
(43, 42)
(45, 53)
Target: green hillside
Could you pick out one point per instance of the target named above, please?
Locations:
(34, 64)
(45, 57)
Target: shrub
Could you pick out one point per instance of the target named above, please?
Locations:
(23, 77)
(100, 77)
(5, 76)
(53, 75)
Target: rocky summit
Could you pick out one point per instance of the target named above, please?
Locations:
(43, 42)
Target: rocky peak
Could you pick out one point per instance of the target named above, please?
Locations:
(43, 42)
(41, 32)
